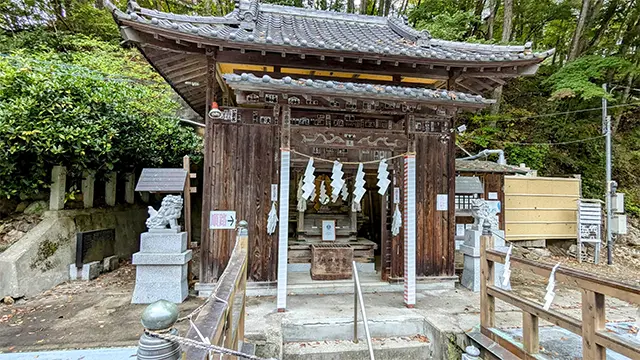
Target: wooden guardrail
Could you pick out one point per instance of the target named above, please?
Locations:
(221, 320)
(595, 339)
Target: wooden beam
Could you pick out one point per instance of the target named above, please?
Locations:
(577, 278)
(530, 307)
(618, 344)
(278, 75)
(331, 64)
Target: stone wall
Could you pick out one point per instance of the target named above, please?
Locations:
(40, 259)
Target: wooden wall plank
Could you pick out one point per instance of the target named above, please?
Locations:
(242, 174)
(435, 229)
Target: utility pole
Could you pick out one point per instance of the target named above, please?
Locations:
(606, 128)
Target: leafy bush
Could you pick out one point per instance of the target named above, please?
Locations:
(56, 112)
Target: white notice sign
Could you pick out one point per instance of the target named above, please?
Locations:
(493, 196)
(222, 219)
(459, 229)
(328, 230)
(442, 202)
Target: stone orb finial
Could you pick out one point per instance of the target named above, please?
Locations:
(160, 315)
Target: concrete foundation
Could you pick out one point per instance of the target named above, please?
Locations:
(40, 259)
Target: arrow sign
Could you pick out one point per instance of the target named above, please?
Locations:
(222, 219)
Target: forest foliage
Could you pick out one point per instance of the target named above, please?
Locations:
(550, 122)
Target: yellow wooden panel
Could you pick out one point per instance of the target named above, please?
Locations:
(541, 185)
(540, 231)
(540, 207)
(416, 80)
(537, 201)
(227, 68)
(540, 215)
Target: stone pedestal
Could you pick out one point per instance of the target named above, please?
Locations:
(161, 267)
(471, 251)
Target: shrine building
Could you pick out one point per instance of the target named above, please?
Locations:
(294, 84)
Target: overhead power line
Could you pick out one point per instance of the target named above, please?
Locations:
(568, 112)
(545, 143)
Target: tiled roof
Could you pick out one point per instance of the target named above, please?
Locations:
(252, 22)
(486, 166)
(353, 89)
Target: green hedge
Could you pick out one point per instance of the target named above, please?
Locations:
(54, 111)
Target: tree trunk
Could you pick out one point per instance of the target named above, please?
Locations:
(477, 13)
(507, 23)
(577, 35)
(350, 6)
(387, 7)
(363, 7)
(495, 107)
(495, 4)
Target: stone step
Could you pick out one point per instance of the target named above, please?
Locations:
(333, 287)
(331, 329)
(415, 348)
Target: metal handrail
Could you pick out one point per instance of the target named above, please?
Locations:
(358, 296)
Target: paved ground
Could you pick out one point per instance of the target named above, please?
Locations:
(85, 354)
(78, 314)
(98, 314)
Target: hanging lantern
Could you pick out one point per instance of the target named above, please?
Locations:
(215, 113)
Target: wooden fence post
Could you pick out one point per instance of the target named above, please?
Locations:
(487, 302)
(58, 187)
(593, 320)
(88, 188)
(530, 336)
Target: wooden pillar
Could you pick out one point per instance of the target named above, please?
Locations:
(487, 302)
(593, 320)
(206, 238)
(186, 164)
(88, 188)
(530, 336)
(283, 225)
(58, 187)
(110, 188)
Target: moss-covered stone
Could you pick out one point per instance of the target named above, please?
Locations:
(46, 250)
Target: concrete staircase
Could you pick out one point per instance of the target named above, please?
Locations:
(332, 338)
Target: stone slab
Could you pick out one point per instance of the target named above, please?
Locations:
(163, 242)
(141, 258)
(91, 270)
(299, 267)
(110, 263)
(148, 292)
(73, 272)
(154, 273)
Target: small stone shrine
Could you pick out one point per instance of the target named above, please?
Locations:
(161, 263)
(483, 213)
